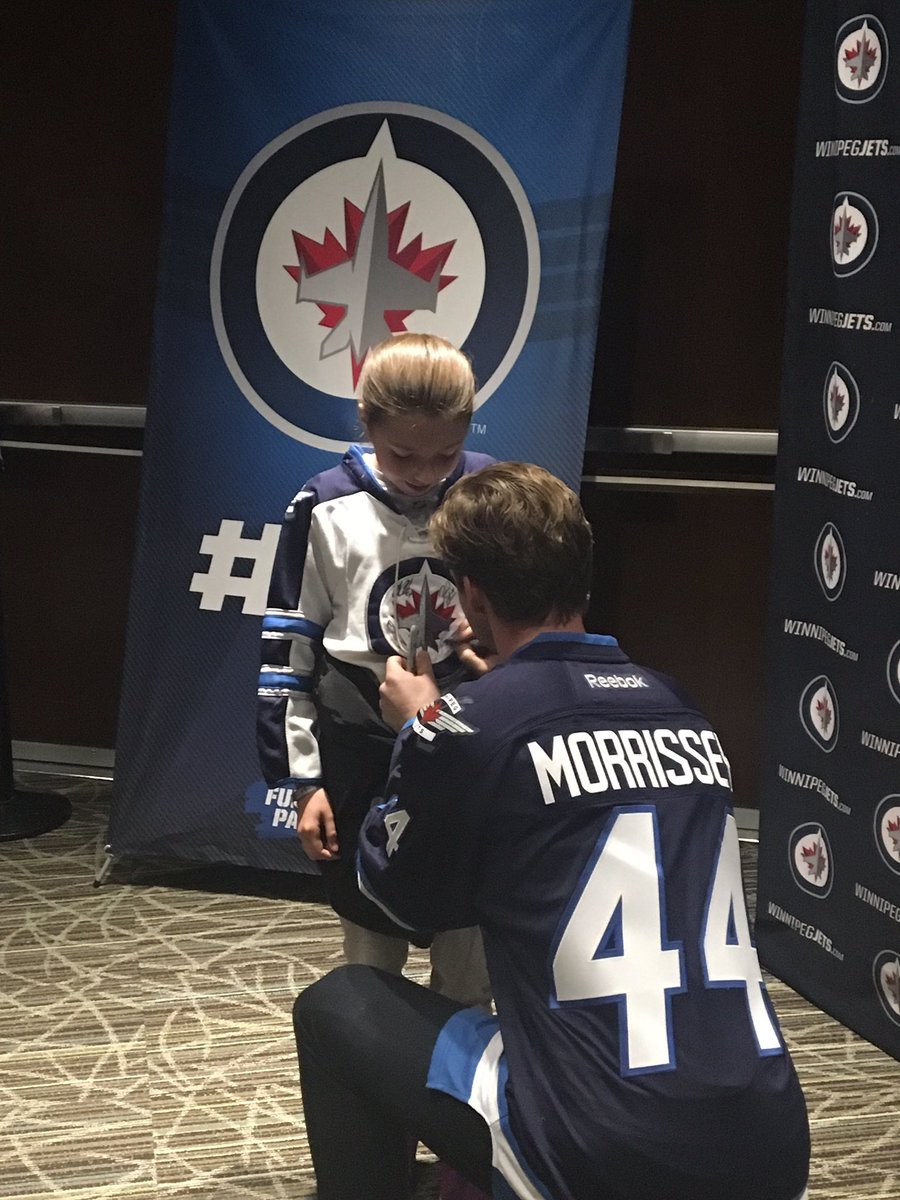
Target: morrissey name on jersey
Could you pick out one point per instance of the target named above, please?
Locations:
(628, 758)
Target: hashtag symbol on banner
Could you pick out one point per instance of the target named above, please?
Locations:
(219, 581)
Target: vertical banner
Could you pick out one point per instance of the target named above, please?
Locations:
(335, 173)
(829, 858)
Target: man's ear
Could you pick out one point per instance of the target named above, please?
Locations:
(472, 596)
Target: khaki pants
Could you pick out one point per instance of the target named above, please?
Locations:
(458, 969)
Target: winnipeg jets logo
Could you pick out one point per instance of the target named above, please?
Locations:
(840, 398)
(860, 59)
(886, 977)
(428, 604)
(893, 671)
(854, 233)
(415, 603)
(819, 713)
(887, 831)
(357, 223)
(810, 856)
(830, 562)
(370, 239)
(367, 287)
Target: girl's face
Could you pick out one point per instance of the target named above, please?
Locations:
(415, 452)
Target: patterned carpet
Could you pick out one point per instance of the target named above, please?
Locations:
(146, 1049)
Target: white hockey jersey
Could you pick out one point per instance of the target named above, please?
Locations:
(355, 578)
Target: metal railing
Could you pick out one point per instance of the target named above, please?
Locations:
(648, 442)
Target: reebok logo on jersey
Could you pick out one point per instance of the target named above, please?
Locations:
(616, 681)
(440, 716)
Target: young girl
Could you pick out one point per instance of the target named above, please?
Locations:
(355, 581)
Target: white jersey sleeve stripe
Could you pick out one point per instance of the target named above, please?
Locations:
(468, 1063)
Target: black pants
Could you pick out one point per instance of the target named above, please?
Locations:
(365, 1040)
(355, 747)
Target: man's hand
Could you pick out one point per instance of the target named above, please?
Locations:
(402, 694)
(471, 653)
(315, 826)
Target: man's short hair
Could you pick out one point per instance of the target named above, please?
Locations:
(521, 535)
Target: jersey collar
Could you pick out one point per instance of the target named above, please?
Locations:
(570, 645)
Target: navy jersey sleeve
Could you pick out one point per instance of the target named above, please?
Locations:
(420, 850)
(297, 613)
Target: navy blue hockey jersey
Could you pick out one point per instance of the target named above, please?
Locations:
(577, 807)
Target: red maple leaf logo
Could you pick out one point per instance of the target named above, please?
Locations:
(845, 234)
(814, 859)
(836, 401)
(861, 59)
(430, 712)
(424, 261)
(414, 605)
(831, 562)
(823, 710)
(893, 826)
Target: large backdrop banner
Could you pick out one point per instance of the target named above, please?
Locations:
(335, 173)
(829, 858)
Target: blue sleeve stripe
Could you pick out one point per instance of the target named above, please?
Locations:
(285, 681)
(458, 1051)
(292, 626)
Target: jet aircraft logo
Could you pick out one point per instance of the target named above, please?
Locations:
(886, 977)
(840, 398)
(860, 59)
(830, 561)
(854, 233)
(810, 856)
(361, 222)
(887, 831)
(819, 713)
(415, 599)
(893, 671)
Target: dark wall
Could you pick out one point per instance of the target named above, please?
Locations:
(690, 335)
(83, 144)
(691, 329)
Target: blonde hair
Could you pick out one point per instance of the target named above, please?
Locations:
(521, 534)
(415, 373)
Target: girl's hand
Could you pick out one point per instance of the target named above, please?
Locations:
(315, 826)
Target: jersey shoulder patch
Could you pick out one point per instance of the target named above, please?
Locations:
(441, 716)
